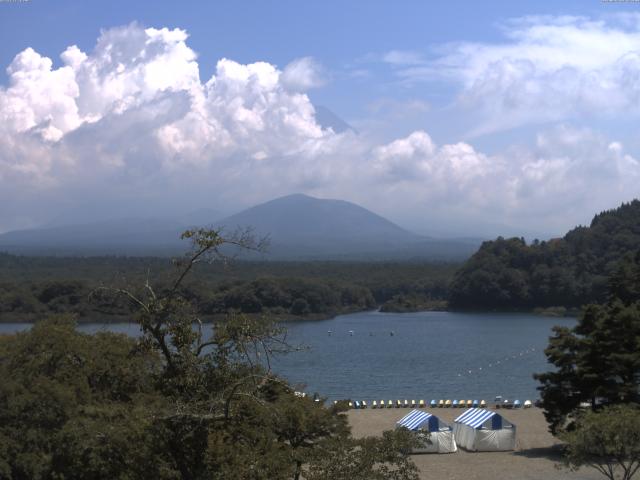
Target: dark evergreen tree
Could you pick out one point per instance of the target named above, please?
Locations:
(598, 361)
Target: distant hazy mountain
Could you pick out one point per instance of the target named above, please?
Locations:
(327, 119)
(130, 236)
(299, 227)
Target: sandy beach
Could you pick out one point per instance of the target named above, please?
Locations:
(535, 456)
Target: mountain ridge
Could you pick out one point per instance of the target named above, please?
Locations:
(299, 226)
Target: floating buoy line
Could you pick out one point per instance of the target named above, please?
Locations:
(501, 361)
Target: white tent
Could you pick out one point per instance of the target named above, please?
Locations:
(482, 430)
(440, 435)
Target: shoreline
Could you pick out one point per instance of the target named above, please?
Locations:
(536, 456)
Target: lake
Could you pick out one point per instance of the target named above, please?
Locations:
(430, 354)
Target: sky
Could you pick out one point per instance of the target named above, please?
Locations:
(469, 118)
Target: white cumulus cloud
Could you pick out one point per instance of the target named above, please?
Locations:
(303, 74)
(546, 68)
(130, 128)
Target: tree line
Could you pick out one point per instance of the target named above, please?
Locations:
(31, 287)
(566, 272)
(175, 403)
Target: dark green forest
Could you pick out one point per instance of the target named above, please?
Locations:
(176, 403)
(505, 274)
(565, 272)
(33, 287)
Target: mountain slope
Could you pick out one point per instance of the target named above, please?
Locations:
(303, 227)
(300, 228)
(300, 218)
(131, 236)
(569, 271)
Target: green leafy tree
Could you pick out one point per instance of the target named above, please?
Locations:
(608, 440)
(597, 361)
(570, 271)
(370, 458)
(177, 403)
(71, 404)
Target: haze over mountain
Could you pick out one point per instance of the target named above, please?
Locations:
(298, 226)
(328, 119)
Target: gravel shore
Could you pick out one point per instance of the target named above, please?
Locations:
(535, 457)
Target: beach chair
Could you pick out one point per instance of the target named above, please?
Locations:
(507, 404)
(469, 403)
(527, 404)
(357, 404)
(483, 404)
(516, 404)
(433, 404)
(454, 404)
(350, 405)
(390, 404)
(398, 404)
(381, 403)
(421, 404)
(447, 404)
(406, 403)
(413, 404)
(475, 404)
(374, 404)
(440, 403)
(364, 404)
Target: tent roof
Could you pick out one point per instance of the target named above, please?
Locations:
(414, 419)
(475, 417)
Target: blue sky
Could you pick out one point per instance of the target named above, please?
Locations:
(472, 117)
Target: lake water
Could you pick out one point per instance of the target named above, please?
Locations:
(431, 355)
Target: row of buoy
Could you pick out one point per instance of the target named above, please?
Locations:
(351, 332)
(436, 404)
(500, 361)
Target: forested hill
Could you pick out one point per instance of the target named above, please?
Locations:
(569, 271)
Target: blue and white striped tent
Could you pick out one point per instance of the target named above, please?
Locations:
(478, 429)
(440, 438)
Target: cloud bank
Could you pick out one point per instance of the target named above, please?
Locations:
(545, 69)
(130, 128)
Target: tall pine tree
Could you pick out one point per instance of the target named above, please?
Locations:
(597, 361)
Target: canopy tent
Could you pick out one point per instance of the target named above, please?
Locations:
(440, 438)
(482, 430)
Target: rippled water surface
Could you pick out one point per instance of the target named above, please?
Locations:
(429, 355)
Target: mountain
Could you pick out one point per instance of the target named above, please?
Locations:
(564, 272)
(127, 236)
(327, 119)
(299, 227)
